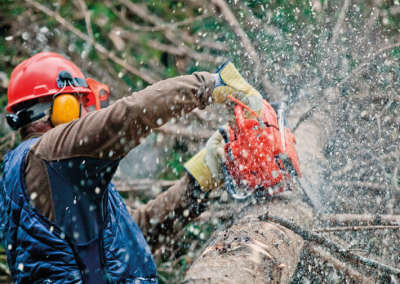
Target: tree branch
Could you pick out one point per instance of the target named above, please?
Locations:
(355, 71)
(361, 184)
(354, 228)
(358, 69)
(96, 45)
(86, 13)
(251, 52)
(330, 245)
(339, 265)
(216, 45)
(357, 220)
(303, 118)
(339, 23)
(171, 49)
(133, 25)
(143, 13)
(137, 27)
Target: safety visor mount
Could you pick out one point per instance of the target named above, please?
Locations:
(65, 78)
(99, 97)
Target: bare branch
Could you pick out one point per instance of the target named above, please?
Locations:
(356, 228)
(251, 52)
(87, 17)
(345, 79)
(360, 184)
(165, 26)
(357, 220)
(250, 21)
(8, 145)
(122, 17)
(339, 265)
(339, 23)
(142, 12)
(359, 68)
(190, 21)
(96, 45)
(58, 6)
(303, 118)
(179, 51)
(330, 245)
(6, 137)
(220, 46)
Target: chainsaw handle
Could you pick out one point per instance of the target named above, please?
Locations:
(240, 117)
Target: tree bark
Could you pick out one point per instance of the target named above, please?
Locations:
(254, 251)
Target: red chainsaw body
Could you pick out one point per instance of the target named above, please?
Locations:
(256, 152)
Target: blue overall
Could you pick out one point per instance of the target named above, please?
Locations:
(41, 251)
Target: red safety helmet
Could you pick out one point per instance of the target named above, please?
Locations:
(48, 74)
(37, 77)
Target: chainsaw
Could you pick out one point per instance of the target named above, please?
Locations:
(260, 154)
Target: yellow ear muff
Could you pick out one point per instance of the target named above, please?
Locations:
(65, 109)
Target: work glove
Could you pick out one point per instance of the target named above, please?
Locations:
(230, 82)
(205, 166)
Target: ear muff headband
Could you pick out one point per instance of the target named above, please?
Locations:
(64, 109)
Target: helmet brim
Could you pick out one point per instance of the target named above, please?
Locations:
(67, 90)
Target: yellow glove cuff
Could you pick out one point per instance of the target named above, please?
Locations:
(233, 79)
(197, 167)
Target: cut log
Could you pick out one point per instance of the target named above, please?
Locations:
(253, 251)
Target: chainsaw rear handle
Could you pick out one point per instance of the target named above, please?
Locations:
(230, 187)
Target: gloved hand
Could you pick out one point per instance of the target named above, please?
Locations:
(205, 166)
(230, 82)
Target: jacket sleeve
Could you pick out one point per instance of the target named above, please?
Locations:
(112, 132)
(163, 217)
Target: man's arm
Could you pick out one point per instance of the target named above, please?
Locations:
(162, 218)
(112, 132)
(109, 134)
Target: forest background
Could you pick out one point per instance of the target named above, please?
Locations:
(335, 63)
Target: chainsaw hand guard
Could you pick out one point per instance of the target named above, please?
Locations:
(260, 160)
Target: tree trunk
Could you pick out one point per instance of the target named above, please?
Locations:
(254, 251)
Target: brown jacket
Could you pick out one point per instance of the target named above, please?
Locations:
(109, 134)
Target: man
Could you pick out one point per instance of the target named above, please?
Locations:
(61, 219)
